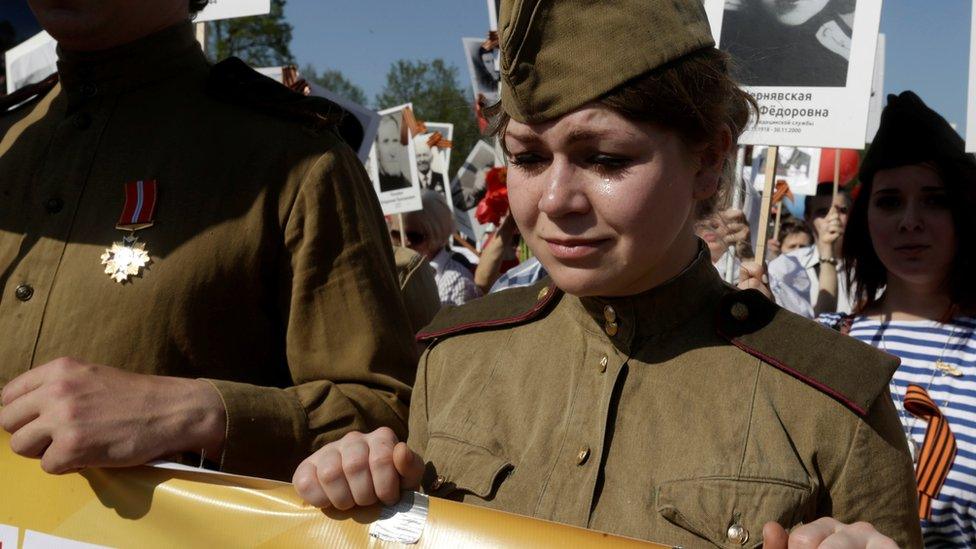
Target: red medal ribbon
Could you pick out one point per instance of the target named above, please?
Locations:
(139, 211)
(938, 451)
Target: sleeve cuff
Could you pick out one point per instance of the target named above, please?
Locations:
(267, 430)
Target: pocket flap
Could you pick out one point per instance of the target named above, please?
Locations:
(454, 465)
(710, 507)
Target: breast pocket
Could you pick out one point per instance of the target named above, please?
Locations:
(456, 469)
(730, 512)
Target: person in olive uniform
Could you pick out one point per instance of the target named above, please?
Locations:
(264, 319)
(634, 392)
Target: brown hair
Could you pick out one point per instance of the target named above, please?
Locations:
(692, 96)
(794, 225)
(867, 275)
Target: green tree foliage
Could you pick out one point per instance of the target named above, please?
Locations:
(261, 41)
(337, 82)
(436, 96)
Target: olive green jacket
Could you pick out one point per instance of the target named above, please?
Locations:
(272, 273)
(689, 415)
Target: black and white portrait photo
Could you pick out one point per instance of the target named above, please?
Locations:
(789, 42)
(798, 166)
(483, 67)
(392, 164)
(434, 157)
(468, 188)
(392, 156)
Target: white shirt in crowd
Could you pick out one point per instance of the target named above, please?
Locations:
(455, 284)
(795, 282)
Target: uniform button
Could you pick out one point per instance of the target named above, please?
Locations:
(543, 293)
(89, 89)
(610, 328)
(82, 120)
(603, 363)
(583, 455)
(54, 205)
(740, 311)
(738, 534)
(609, 314)
(24, 292)
(438, 482)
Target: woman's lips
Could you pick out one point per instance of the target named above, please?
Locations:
(912, 250)
(574, 248)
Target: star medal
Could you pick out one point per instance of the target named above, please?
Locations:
(128, 258)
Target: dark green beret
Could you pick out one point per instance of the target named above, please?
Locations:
(911, 133)
(558, 55)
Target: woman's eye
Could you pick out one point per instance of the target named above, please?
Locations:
(937, 201)
(525, 160)
(887, 202)
(607, 164)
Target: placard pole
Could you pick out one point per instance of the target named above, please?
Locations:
(836, 175)
(767, 199)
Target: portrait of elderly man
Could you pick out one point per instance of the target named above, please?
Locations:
(391, 155)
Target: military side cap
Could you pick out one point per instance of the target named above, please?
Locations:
(911, 133)
(556, 56)
(499, 310)
(851, 372)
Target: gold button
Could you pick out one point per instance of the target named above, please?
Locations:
(583, 455)
(740, 312)
(438, 482)
(738, 534)
(609, 314)
(610, 328)
(603, 363)
(543, 293)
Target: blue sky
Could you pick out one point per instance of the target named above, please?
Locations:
(927, 41)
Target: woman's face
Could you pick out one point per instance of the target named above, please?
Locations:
(713, 232)
(911, 224)
(606, 204)
(388, 148)
(794, 12)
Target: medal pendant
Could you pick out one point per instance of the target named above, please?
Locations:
(125, 259)
(948, 369)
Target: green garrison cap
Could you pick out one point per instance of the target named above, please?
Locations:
(911, 133)
(558, 55)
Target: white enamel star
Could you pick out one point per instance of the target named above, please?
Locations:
(125, 259)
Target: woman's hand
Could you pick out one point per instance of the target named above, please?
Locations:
(752, 276)
(826, 532)
(830, 231)
(359, 470)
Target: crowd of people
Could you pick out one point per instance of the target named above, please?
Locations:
(619, 379)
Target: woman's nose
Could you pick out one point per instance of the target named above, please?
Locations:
(564, 192)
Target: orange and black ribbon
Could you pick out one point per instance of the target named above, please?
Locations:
(781, 191)
(410, 124)
(490, 43)
(438, 140)
(938, 451)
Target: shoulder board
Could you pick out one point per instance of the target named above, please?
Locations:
(27, 94)
(499, 310)
(232, 80)
(851, 372)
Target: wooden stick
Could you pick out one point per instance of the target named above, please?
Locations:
(767, 199)
(836, 175)
(779, 216)
(403, 235)
(201, 33)
(738, 199)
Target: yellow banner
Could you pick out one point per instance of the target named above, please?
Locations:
(150, 507)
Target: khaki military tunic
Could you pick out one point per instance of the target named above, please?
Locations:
(271, 270)
(690, 415)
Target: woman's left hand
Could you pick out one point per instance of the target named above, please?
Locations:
(752, 276)
(826, 532)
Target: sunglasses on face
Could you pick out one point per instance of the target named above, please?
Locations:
(414, 238)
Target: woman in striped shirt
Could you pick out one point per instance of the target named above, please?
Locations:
(910, 244)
